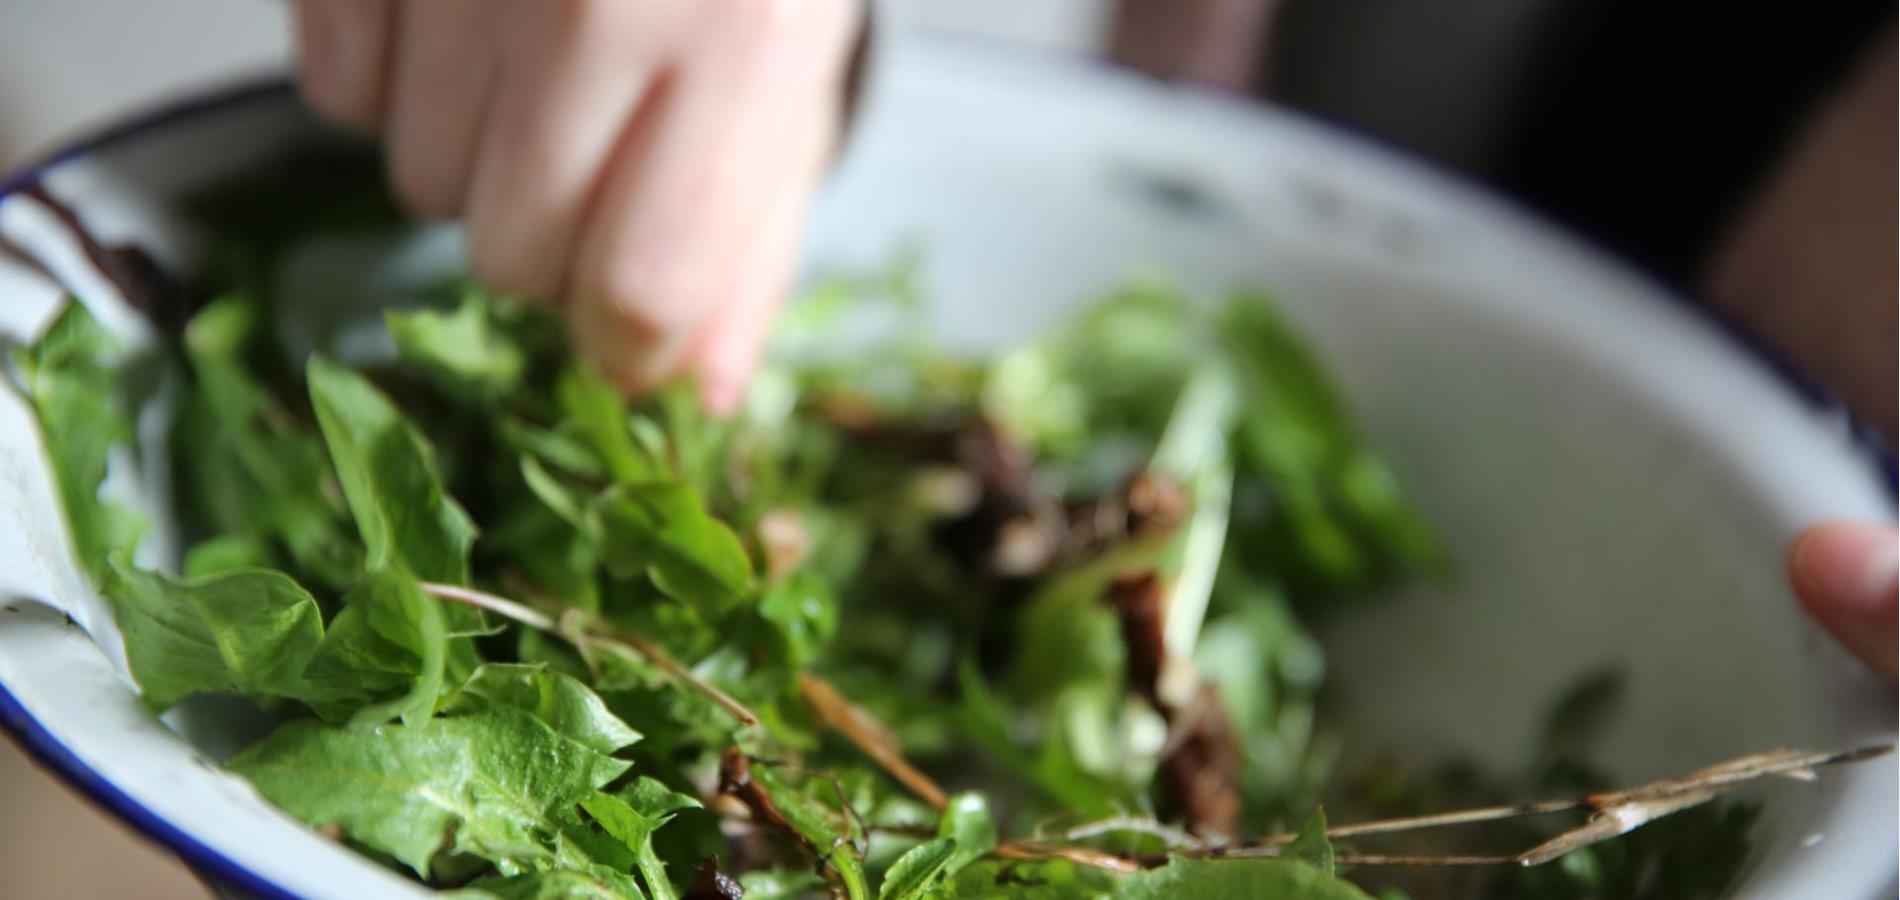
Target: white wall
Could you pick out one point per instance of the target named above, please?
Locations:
(69, 65)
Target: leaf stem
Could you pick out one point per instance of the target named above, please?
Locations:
(1173, 837)
(870, 736)
(664, 661)
(850, 873)
(593, 635)
(1081, 855)
(483, 600)
(654, 872)
(1614, 812)
(1727, 774)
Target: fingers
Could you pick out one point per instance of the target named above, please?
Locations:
(656, 260)
(728, 352)
(1845, 575)
(577, 81)
(649, 159)
(342, 47)
(441, 74)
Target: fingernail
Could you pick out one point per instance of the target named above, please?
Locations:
(721, 396)
(1847, 568)
(725, 370)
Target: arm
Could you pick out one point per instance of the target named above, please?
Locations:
(1811, 267)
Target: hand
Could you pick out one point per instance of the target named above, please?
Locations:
(645, 162)
(1846, 574)
(1809, 267)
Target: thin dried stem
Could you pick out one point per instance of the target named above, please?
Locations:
(869, 735)
(1783, 763)
(1172, 836)
(1032, 849)
(1401, 859)
(1086, 856)
(592, 636)
(1614, 812)
(501, 606)
(660, 659)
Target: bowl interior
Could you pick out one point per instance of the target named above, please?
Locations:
(1616, 482)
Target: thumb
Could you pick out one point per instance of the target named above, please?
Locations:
(1846, 576)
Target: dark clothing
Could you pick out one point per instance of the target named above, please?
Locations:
(1645, 124)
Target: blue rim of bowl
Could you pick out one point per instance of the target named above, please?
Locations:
(216, 867)
(39, 743)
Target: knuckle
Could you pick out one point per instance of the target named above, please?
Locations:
(323, 92)
(652, 295)
(339, 70)
(421, 188)
(567, 21)
(506, 269)
(746, 20)
(568, 15)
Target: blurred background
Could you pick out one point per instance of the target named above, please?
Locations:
(1647, 127)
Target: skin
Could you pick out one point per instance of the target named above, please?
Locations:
(647, 164)
(1810, 267)
(1845, 575)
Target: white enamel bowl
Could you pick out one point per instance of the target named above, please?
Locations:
(1616, 477)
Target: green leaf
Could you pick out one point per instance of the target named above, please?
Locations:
(1311, 846)
(494, 784)
(1115, 369)
(559, 702)
(1068, 637)
(920, 868)
(632, 817)
(554, 543)
(71, 376)
(565, 447)
(780, 884)
(591, 883)
(699, 444)
(818, 827)
(389, 476)
(662, 528)
(465, 350)
(569, 504)
(815, 824)
(634, 831)
(967, 819)
(506, 772)
(1268, 669)
(248, 465)
(1034, 879)
(985, 721)
(1341, 521)
(223, 554)
(390, 638)
(249, 631)
(1262, 879)
(655, 800)
(618, 818)
(597, 409)
(547, 553)
(805, 614)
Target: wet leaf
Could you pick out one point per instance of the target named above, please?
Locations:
(248, 631)
(494, 784)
